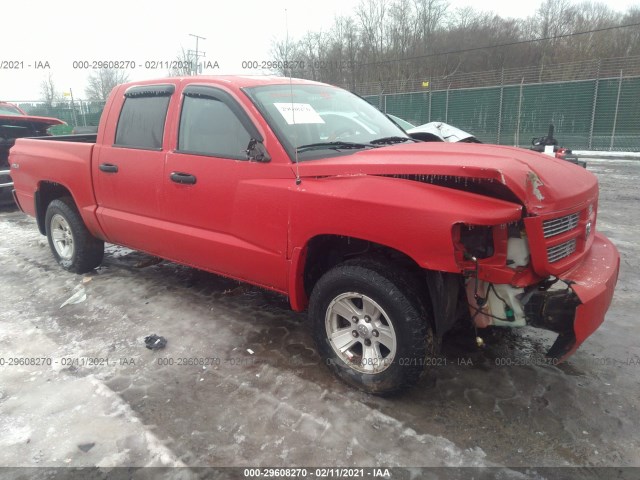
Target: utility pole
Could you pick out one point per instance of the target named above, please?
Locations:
(73, 109)
(197, 54)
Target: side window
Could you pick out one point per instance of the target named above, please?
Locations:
(141, 122)
(208, 126)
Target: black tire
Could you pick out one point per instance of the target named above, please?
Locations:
(392, 290)
(72, 245)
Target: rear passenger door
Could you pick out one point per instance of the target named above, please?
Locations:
(128, 168)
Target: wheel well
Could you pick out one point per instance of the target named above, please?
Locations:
(326, 251)
(440, 291)
(47, 192)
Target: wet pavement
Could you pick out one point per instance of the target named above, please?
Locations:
(239, 382)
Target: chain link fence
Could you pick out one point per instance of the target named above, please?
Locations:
(593, 105)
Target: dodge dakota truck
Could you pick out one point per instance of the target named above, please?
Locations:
(307, 190)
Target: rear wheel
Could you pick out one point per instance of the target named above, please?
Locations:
(371, 327)
(72, 245)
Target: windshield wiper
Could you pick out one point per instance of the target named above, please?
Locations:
(390, 140)
(332, 146)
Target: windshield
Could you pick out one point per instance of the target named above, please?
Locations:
(319, 121)
(8, 109)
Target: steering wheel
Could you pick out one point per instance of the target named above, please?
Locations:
(342, 133)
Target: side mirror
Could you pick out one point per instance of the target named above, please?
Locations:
(256, 152)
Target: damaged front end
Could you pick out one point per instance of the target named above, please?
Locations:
(550, 305)
(509, 291)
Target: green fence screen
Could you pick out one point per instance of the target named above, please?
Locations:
(597, 114)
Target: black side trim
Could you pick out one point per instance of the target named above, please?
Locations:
(78, 138)
(39, 215)
(15, 199)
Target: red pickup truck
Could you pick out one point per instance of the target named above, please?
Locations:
(307, 190)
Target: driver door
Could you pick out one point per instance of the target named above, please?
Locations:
(213, 195)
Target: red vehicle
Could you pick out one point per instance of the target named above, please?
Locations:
(15, 123)
(307, 190)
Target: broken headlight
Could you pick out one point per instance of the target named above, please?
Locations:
(475, 240)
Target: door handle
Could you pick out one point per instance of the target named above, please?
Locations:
(109, 168)
(184, 178)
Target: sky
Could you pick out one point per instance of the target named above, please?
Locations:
(40, 37)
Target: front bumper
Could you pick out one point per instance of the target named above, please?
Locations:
(575, 313)
(572, 304)
(593, 282)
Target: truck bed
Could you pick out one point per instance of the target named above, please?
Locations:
(63, 160)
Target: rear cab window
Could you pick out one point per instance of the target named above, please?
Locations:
(143, 115)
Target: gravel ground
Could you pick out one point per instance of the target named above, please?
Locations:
(240, 384)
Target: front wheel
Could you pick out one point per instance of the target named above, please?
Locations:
(72, 245)
(370, 326)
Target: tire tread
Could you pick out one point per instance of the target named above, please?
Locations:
(88, 250)
(403, 293)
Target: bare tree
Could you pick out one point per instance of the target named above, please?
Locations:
(371, 15)
(591, 16)
(101, 82)
(430, 15)
(628, 39)
(552, 21)
(48, 91)
(345, 49)
(183, 65)
(313, 49)
(291, 57)
(400, 36)
(400, 42)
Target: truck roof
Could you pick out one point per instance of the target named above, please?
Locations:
(238, 81)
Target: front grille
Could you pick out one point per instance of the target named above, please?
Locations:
(560, 225)
(561, 251)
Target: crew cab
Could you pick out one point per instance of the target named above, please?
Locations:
(307, 190)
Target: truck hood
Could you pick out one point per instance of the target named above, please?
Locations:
(541, 183)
